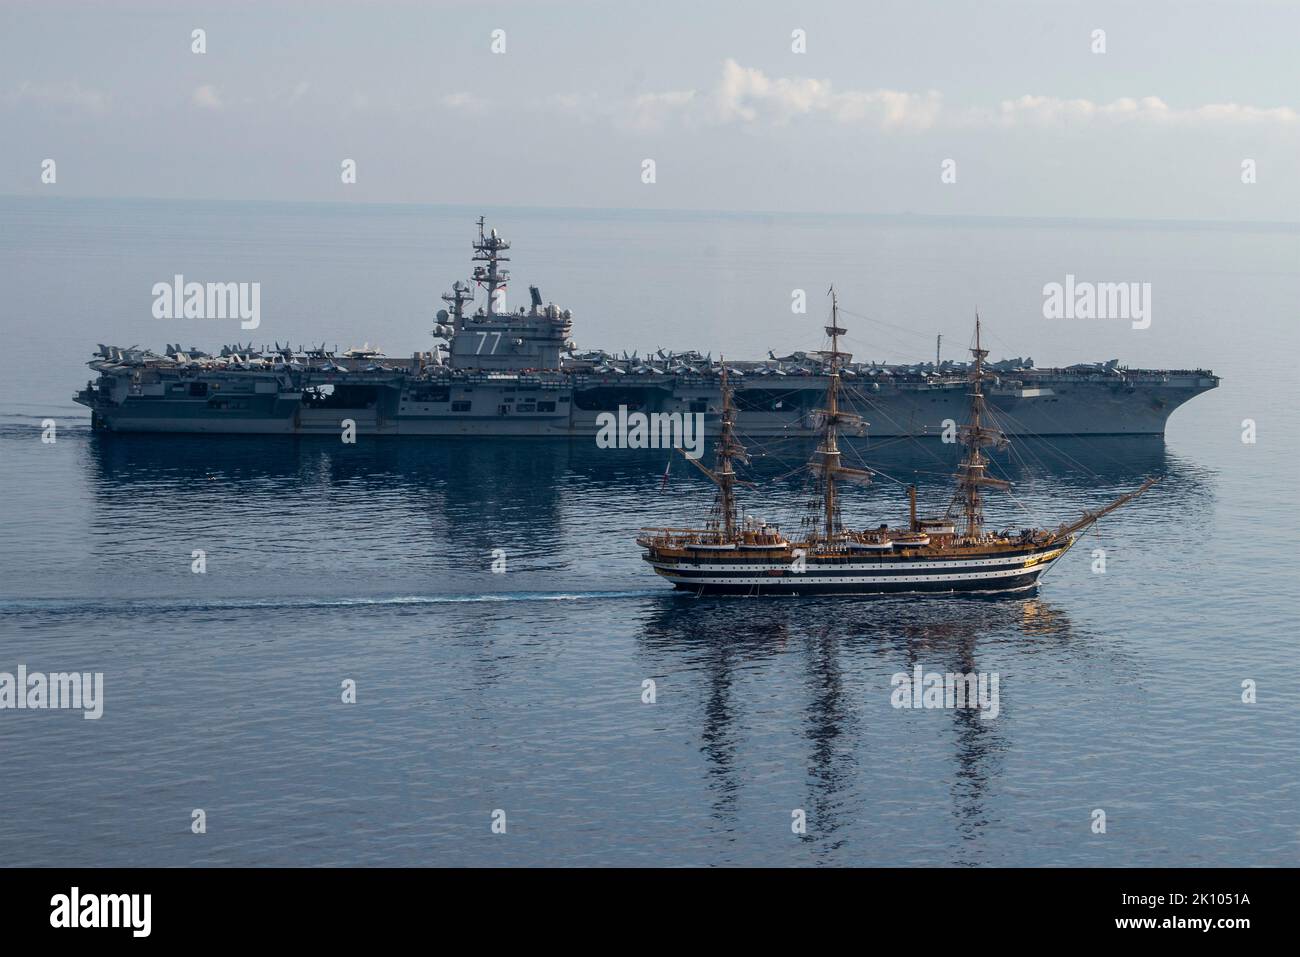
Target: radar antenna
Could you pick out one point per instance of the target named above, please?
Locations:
(492, 277)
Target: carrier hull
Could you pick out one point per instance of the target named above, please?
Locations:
(1056, 403)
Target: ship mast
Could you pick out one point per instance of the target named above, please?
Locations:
(488, 250)
(975, 437)
(727, 452)
(826, 459)
(460, 294)
(727, 449)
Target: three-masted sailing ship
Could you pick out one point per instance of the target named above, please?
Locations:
(956, 553)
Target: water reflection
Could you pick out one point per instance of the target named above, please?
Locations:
(844, 652)
(130, 457)
(427, 501)
(830, 727)
(475, 492)
(411, 516)
(771, 686)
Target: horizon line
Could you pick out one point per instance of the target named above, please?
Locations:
(907, 215)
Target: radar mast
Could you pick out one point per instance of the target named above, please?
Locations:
(492, 277)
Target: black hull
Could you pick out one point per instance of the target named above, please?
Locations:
(1019, 583)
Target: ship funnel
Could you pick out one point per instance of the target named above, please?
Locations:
(536, 294)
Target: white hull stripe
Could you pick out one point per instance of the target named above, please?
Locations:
(812, 578)
(858, 566)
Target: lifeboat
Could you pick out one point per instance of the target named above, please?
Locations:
(869, 545)
(912, 541)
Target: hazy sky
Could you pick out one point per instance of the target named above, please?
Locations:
(1037, 124)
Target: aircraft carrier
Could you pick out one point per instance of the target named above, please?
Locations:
(503, 373)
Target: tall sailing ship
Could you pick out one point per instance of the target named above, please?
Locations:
(955, 553)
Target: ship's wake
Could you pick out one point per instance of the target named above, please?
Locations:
(85, 606)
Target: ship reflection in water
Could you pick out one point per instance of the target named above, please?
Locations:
(391, 516)
(842, 654)
(523, 689)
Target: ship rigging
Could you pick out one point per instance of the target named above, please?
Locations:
(925, 556)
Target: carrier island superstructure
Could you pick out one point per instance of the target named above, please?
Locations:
(518, 373)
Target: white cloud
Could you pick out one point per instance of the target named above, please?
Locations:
(650, 112)
(463, 102)
(747, 96)
(1049, 111)
(298, 93)
(68, 93)
(579, 105)
(206, 97)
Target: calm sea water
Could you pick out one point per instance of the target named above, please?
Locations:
(523, 691)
